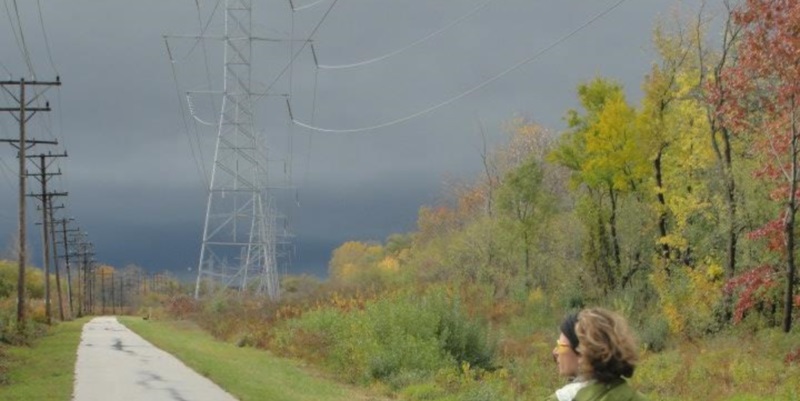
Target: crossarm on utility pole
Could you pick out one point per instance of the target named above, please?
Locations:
(19, 112)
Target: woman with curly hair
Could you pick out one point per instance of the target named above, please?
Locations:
(596, 352)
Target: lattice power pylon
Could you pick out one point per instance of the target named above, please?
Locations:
(239, 237)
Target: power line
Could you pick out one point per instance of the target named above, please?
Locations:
(46, 41)
(46, 125)
(203, 29)
(199, 164)
(59, 135)
(305, 42)
(5, 173)
(203, 46)
(192, 113)
(27, 54)
(311, 134)
(290, 131)
(301, 8)
(473, 89)
(62, 138)
(409, 46)
(6, 69)
(13, 30)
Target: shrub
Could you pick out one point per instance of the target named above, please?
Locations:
(395, 339)
(655, 334)
(181, 306)
(756, 290)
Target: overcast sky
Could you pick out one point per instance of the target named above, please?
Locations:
(135, 187)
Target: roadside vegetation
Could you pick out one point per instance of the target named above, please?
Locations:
(43, 368)
(246, 373)
(678, 211)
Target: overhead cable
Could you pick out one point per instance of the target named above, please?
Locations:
(473, 89)
(60, 114)
(63, 179)
(409, 46)
(14, 30)
(6, 171)
(6, 69)
(198, 163)
(205, 52)
(26, 53)
(46, 40)
(290, 131)
(305, 42)
(311, 134)
(203, 29)
(301, 8)
(191, 111)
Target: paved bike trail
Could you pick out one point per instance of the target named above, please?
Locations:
(115, 364)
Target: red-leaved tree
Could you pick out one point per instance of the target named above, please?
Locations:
(765, 100)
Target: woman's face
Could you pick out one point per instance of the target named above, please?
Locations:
(565, 357)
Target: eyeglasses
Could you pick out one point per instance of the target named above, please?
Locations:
(562, 347)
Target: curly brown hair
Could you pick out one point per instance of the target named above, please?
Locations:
(607, 347)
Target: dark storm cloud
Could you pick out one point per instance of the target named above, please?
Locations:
(136, 188)
(169, 236)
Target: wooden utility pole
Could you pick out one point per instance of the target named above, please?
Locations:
(113, 296)
(121, 296)
(90, 275)
(67, 254)
(43, 177)
(54, 248)
(20, 113)
(83, 253)
(103, 291)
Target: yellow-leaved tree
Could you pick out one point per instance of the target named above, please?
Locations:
(355, 262)
(608, 165)
(673, 126)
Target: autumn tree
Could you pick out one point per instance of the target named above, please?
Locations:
(354, 260)
(764, 100)
(671, 124)
(672, 128)
(716, 95)
(606, 161)
(521, 199)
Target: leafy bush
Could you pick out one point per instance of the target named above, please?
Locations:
(688, 297)
(655, 334)
(391, 339)
(756, 290)
(181, 306)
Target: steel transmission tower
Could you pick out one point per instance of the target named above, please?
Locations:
(239, 249)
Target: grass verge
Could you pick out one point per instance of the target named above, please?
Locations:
(45, 370)
(247, 373)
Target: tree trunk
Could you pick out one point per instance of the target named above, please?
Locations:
(790, 272)
(789, 230)
(662, 214)
(613, 222)
(527, 260)
(730, 199)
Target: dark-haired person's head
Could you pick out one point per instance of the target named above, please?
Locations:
(566, 351)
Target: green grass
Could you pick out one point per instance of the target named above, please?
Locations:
(44, 371)
(732, 366)
(247, 373)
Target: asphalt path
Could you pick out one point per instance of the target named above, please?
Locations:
(115, 364)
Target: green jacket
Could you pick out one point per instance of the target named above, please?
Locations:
(615, 391)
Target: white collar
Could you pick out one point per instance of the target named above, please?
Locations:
(568, 392)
